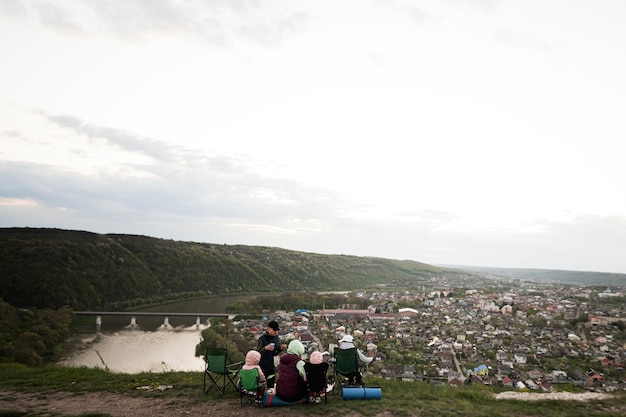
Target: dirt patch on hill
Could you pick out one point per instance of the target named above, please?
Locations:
(565, 396)
(117, 405)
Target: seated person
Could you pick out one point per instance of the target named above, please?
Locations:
(291, 382)
(316, 370)
(252, 362)
(347, 342)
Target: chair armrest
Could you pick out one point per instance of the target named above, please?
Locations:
(234, 366)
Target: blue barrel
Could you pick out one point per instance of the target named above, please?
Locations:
(361, 393)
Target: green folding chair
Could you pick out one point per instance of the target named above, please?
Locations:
(345, 367)
(217, 373)
(251, 388)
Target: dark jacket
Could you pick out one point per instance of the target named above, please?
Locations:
(267, 356)
(290, 385)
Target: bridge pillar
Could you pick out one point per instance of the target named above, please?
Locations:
(166, 322)
(98, 323)
(198, 323)
(133, 322)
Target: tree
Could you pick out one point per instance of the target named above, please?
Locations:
(221, 335)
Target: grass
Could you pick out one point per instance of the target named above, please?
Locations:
(398, 398)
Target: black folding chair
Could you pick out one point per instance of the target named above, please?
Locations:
(317, 381)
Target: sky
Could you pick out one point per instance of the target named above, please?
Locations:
(454, 132)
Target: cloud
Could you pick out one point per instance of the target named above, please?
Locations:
(123, 139)
(175, 180)
(218, 200)
(456, 131)
(13, 8)
(215, 22)
(585, 242)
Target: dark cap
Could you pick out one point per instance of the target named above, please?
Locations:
(273, 325)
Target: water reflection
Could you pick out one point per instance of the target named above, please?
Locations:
(134, 351)
(149, 343)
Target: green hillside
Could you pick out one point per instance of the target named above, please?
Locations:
(51, 268)
(588, 278)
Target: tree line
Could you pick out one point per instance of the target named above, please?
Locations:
(52, 268)
(32, 336)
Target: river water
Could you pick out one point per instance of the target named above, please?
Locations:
(148, 345)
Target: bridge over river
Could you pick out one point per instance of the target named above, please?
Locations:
(166, 315)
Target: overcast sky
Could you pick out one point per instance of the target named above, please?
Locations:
(466, 132)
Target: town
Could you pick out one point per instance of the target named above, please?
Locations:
(511, 332)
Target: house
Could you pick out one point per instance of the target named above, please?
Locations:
(573, 338)
(381, 317)
(454, 381)
(475, 379)
(594, 378)
(480, 371)
(388, 374)
(545, 384)
(559, 376)
(408, 312)
(531, 384)
(534, 374)
(504, 369)
(306, 338)
(407, 377)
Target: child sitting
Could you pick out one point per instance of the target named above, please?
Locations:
(252, 362)
(316, 370)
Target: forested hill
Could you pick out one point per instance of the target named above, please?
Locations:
(589, 278)
(50, 268)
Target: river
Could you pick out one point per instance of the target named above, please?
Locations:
(148, 346)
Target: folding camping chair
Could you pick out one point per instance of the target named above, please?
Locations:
(346, 368)
(218, 372)
(317, 381)
(251, 388)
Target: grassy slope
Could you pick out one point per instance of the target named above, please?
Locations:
(399, 398)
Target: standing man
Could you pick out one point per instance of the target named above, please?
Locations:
(269, 346)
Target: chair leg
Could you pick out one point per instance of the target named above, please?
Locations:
(215, 383)
(339, 381)
(230, 382)
(209, 383)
